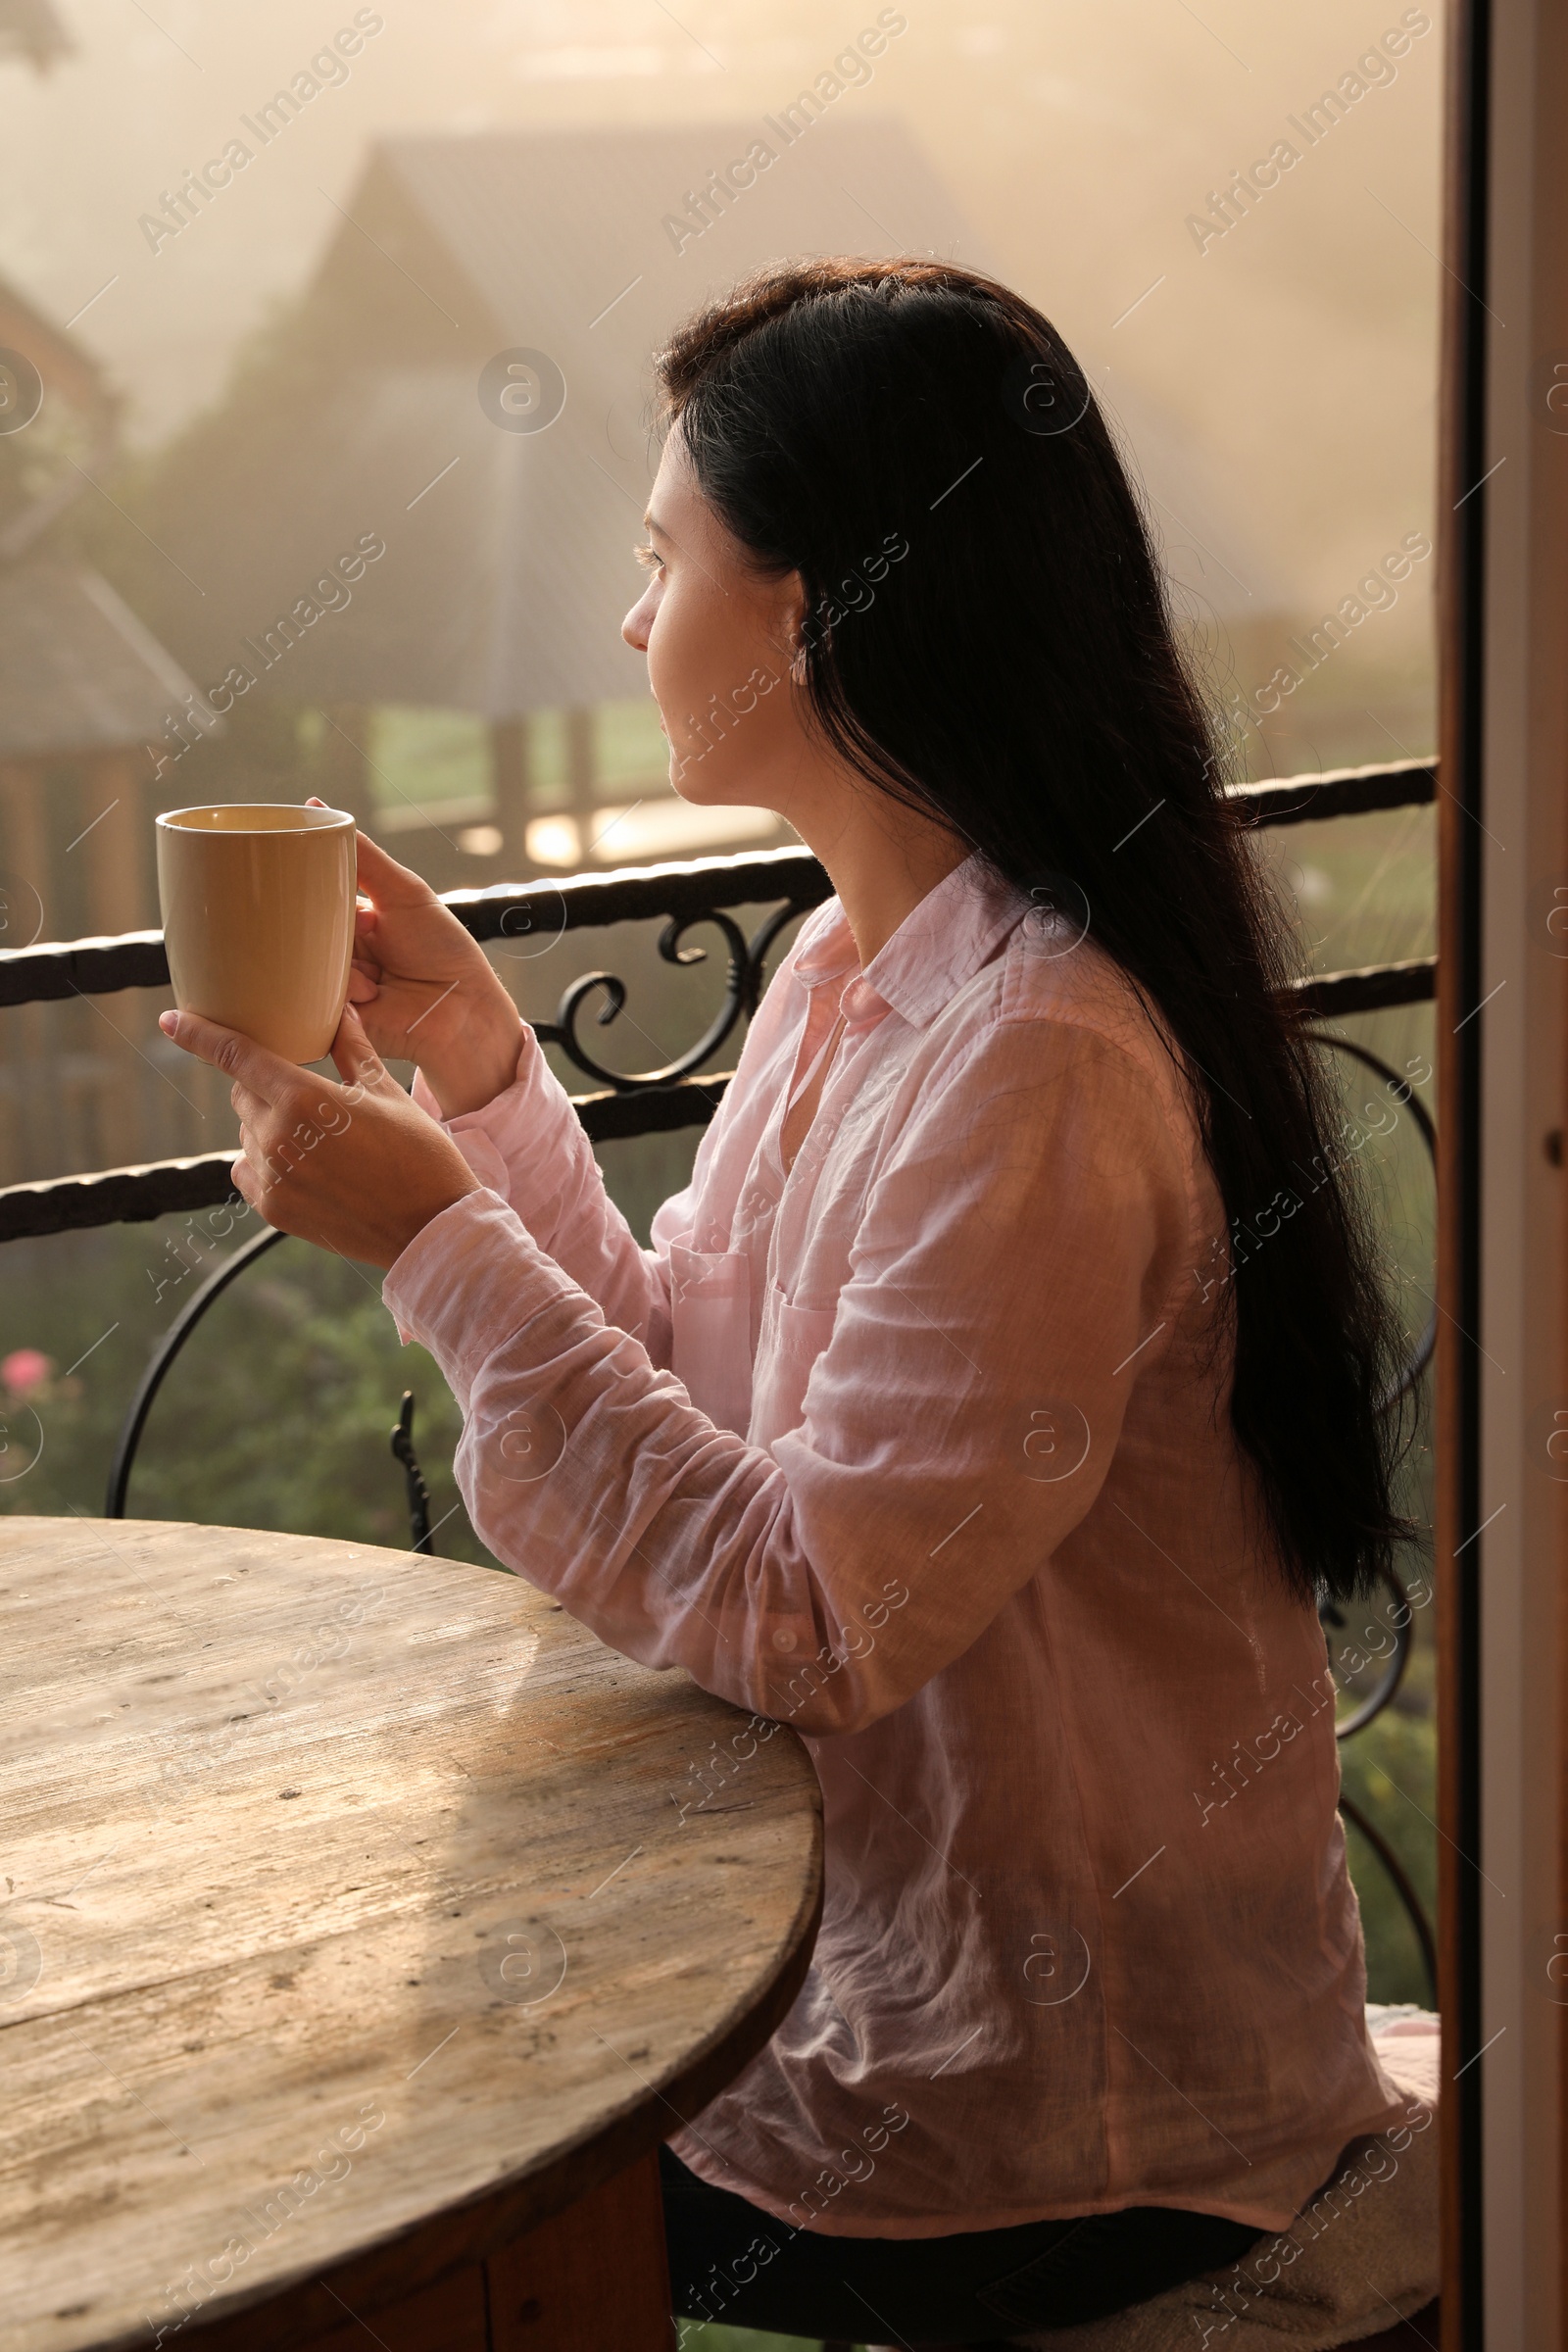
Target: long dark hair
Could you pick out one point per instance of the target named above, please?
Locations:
(1018, 677)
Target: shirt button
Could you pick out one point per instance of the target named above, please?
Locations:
(783, 1638)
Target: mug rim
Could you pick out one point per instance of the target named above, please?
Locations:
(327, 820)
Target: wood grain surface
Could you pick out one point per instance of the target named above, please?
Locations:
(343, 1891)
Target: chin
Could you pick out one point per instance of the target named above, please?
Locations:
(708, 785)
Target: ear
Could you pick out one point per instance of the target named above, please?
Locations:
(791, 612)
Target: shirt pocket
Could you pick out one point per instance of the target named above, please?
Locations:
(711, 1326)
(790, 1340)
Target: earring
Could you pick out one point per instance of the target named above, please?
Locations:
(798, 666)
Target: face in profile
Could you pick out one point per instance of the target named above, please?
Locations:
(719, 637)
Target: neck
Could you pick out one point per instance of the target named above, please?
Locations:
(882, 860)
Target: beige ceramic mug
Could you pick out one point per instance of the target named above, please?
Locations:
(258, 902)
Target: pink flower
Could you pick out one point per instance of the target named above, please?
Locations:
(26, 1369)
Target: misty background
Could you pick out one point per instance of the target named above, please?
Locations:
(1276, 388)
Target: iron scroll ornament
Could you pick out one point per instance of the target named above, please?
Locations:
(157, 1371)
(163, 1363)
(1402, 1620)
(1401, 1091)
(417, 1492)
(1401, 1625)
(1404, 1887)
(743, 989)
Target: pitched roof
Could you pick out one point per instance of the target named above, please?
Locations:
(78, 670)
(507, 566)
(69, 371)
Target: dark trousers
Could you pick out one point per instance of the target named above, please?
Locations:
(731, 2263)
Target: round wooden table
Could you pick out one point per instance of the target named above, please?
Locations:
(366, 1924)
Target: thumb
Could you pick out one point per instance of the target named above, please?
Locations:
(383, 881)
(354, 1058)
(379, 877)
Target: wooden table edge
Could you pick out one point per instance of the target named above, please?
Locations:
(389, 2268)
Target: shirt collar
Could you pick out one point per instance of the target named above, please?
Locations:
(940, 945)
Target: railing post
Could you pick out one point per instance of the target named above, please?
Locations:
(511, 785)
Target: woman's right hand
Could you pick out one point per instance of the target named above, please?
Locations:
(426, 991)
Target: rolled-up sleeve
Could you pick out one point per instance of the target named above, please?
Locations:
(1012, 1275)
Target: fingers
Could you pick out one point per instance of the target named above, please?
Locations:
(364, 983)
(354, 1057)
(379, 876)
(266, 1073)
(383, 880)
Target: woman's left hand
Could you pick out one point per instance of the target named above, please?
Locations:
(357, 1169)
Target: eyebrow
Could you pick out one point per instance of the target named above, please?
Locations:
(652, 523)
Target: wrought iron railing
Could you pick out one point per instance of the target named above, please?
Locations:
(682, 1093)
(707, 889)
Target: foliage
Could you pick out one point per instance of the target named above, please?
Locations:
(33, 462)
(277, 1414)
(1389, 1770)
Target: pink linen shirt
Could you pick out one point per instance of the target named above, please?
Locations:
(923, 1447)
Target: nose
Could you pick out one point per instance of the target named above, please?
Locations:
(635, 627)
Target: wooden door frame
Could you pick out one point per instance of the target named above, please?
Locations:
(1503, 1034)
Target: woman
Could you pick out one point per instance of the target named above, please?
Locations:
(946, 1419)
